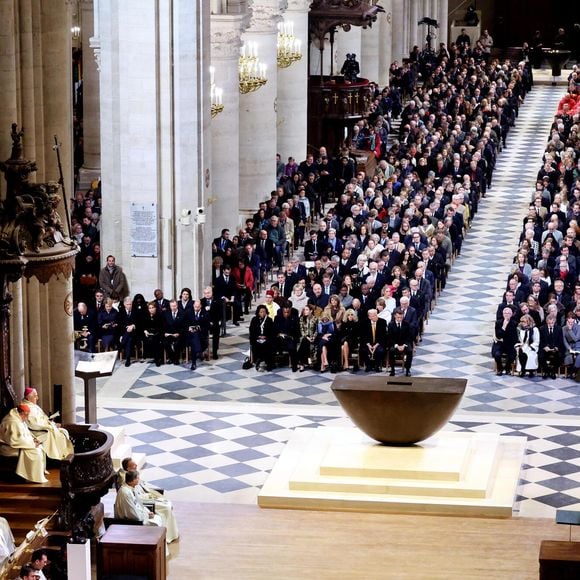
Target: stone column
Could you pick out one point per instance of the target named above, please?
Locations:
(258, 139)
(386, 41)
(154, 140)
(443, 17)
(413, 26)
(55, 107)
(398, 28)
(61, 332)
(91, 168)
(226, 41)
(292, 118)
(9, 112)
(17, 339)
(371, 50)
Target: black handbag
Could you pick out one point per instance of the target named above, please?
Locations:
(247, 364)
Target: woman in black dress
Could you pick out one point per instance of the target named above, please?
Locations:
(504, 340)
(262, 338)
(152, 334)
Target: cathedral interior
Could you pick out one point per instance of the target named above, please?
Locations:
(143, 99)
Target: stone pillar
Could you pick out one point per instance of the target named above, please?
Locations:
(413, 26)
(154, 140)
(9, 90)
(292, 118)
(258, 139)
(371, 50)
(345, 43)
(386, 41)
(61, 332)
(35, 85)
(226, 33)
(443, 17)
(398, 28)
(91, 108)
(17, 339)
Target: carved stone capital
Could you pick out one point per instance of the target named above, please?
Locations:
(266, 14)
(44, 267)
(95, 44)
(226, 34)
(298, 5)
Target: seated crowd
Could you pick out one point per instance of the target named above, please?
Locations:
(538, 322)
(152, 328)
(378, 254)
(374, 260)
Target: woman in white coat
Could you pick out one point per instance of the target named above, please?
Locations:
(527, 346)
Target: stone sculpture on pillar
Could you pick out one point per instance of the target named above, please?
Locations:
(32, 243)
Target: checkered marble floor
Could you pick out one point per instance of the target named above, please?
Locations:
(214, 434)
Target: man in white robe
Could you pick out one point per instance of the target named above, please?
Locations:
(55, 440)
(16, 440)
(128, 506)
(148, 494)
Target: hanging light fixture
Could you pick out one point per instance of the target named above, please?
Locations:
(289, 47)
(216, 94)
(252, 71)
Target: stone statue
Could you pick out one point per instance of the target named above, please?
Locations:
(29, 220)
(350, 69)
(16, 142)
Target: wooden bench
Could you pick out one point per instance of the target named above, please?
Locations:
(559, 560)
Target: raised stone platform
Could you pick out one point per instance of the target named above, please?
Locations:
(451, 473)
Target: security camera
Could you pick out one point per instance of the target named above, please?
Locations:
(201, 215)
(185, 217)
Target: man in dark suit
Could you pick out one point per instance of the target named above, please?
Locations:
(196, 332)
(98, 303)
(265, 251)
(508, 302)
(85, 326)
(213, 311)
(162, 303)
(373, 341)
(313, 249)
(226, 291)
(221, 244)
(284, 285)
(129, 329)
(552, 347)
(334, 245)
(287, 333)
(410, 316)
(173, 330)
(400, 342)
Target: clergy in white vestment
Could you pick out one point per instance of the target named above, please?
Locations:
(55, 440)
(128, 506)
(17, 440)
(148, 494)
(7, 546)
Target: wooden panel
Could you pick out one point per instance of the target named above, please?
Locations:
(138, 550)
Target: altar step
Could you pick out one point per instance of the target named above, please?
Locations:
(467, 474)
(23, 504)
(121, 448)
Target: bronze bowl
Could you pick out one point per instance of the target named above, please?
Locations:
(400, 411)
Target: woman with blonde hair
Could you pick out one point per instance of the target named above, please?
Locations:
(334, 310)
(298, 297)
(349, 337)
